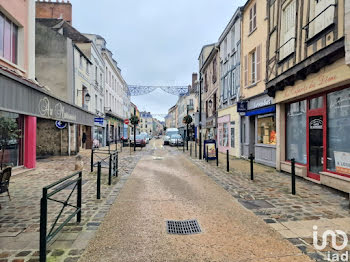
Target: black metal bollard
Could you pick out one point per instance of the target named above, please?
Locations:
(206, 155)
(92, 160)
(79, 191)
(177, 143)
(191, 150)
(183, 147)
(43, 225)
(116, 164)
(293, 176)
(217, 156)
(227, 161)
(98, 191)
(251, 157)
(110, 170)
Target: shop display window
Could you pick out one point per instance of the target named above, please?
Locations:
(296, 132)
(225, 135)
(338, 130)
(266, 130)
(13, 153)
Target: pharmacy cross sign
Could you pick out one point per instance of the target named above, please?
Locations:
(138, 90)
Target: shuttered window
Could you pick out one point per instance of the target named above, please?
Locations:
(245, 70)
(324, 13)
(253, 67)
(252, 18)
(252, 72)
(288, 24)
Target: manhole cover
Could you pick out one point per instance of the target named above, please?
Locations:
(186, 227)
(255, 204)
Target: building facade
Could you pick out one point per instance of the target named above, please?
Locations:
(228, 135)
(146, 122)
(308, 77)
(258, 123)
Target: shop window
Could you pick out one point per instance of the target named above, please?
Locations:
(338, 130)
(316, 103)
(8, 39)
(221, 136)
(233, 134)
(266, 130)
(296, 132)
(225, 135)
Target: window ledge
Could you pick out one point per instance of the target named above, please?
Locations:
(12, 64)
(280, 61)
(265, 145)
(252, 85)
(250, 33)
(322, 32)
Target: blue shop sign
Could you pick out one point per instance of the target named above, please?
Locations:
(99, 120)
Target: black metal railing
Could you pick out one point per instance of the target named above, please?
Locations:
(108, 159)
(49, 191)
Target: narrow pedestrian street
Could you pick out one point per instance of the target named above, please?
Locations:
(165, 185)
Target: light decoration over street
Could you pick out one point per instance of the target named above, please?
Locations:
(136, 90)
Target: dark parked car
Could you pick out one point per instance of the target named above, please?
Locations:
(140, 141)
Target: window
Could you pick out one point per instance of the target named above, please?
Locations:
(316, 103)
(96, 73)
(232, 87)
(338, 129)
(225, 135)
(191, 102)
(253, 67)
(8, 39)
(96, 102)
(225, 49)
(323, 12)
(243, 132)
(87, 67)
(233, 39)
(81, 61)
(233, 134)
(266, 129)
(101, 104)
(296, 132)
(106, 75)
(252, 18)
(287, 42)
(214, 70)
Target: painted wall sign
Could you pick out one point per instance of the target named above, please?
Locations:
(326, 78)
(342, 162)
(60, 124)
(259, 102)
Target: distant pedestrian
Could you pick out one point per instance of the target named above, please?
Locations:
(83, 139)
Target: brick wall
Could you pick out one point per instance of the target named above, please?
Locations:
(54, 10)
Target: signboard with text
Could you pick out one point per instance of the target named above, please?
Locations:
(342, 162)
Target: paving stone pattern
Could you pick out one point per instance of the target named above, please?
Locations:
(269, 197)
(20, 217)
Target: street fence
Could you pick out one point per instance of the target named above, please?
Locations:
(75, 181)
(108, 159)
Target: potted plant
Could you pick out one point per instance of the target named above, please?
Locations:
(8, 133)
(187, 120)
(134, 120)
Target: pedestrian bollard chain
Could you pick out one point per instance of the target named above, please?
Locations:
(251, 157)
(227, 161)
(293, 176)
(98, 183)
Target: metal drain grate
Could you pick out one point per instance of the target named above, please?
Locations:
(186, 227)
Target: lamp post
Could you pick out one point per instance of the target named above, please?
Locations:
(187, 131)
(134, 130)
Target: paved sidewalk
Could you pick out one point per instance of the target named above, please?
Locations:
(167, 186)
(269, 197)
(20, 218)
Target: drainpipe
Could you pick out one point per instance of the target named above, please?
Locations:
(68, 139)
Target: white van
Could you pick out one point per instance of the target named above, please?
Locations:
(168, 133)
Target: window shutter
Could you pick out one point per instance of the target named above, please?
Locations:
(258, 62)
(245, 70)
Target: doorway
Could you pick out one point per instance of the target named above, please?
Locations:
(315, 146)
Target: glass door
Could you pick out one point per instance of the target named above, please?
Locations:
(315, 145)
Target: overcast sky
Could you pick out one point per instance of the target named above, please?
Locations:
(155, 42)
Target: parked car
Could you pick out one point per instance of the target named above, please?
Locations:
(169, 132)
(176, 140)
(140, 141)
(146, 136)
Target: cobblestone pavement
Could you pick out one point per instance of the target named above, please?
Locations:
(269, 197)
(20, 217)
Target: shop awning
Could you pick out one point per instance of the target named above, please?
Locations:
(261, 111)
(20, 95)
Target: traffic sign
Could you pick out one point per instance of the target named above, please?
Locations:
(126, 121)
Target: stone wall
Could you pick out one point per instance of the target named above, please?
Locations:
(51, 141)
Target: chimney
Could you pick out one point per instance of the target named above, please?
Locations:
(60, 9)
(194, 79)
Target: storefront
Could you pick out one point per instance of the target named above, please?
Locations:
(228, 131)
(258, 130)
(315, 117)
(26, 103)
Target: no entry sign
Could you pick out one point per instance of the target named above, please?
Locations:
(126, 121)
